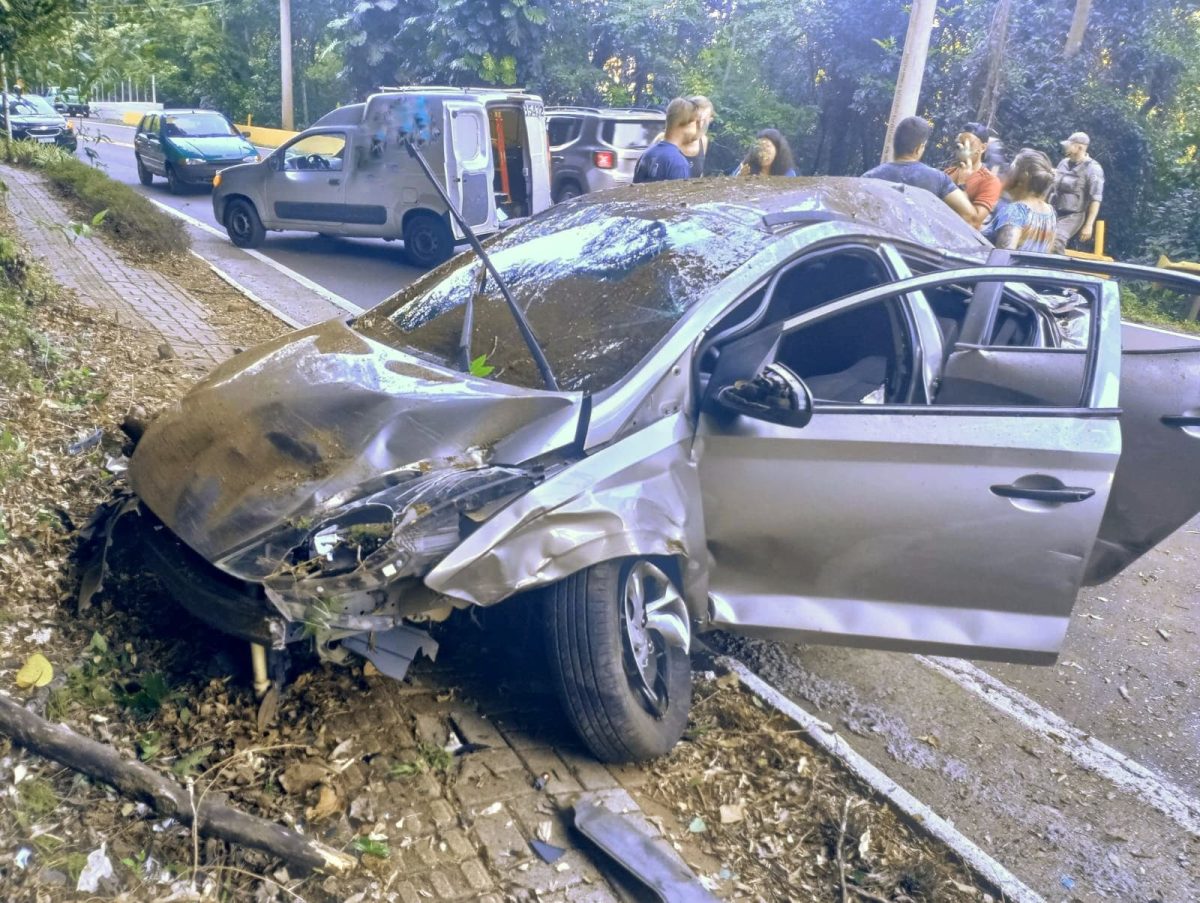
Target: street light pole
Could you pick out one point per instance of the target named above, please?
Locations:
(912, 69)
(285, 62)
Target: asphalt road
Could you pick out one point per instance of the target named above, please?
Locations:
(1082, 778)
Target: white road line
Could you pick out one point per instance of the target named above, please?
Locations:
(825, 737)
(1087, 751)
(331, 297)
(237, 286)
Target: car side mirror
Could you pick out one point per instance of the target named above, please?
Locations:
(245, 133)
(776, 395)
(275, 161)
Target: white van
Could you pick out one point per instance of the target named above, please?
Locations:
(350, 174)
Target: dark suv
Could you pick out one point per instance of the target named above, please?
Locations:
(593, 148)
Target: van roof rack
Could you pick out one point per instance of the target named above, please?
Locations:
(451, 89)
(569, 108)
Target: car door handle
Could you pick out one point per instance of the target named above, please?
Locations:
(1181, 420)
(1066, 494)
(557, 158)
(335, 181)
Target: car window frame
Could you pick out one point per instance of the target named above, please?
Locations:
(280, 153)
(976, 274)
(577, 131)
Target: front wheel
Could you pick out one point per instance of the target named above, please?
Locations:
(427, 240)
(144, 175)
(174, 183)
(618, 635)
(243, 224)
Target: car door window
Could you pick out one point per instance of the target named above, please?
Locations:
(862, 356)
(563, 130)
(315, 153)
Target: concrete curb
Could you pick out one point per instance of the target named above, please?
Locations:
(919, 815)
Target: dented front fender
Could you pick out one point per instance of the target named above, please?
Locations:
(639, 496)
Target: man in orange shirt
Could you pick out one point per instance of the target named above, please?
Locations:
(980, 183)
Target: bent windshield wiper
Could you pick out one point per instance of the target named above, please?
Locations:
(523, 326)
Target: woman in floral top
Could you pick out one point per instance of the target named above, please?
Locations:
(1028, 222)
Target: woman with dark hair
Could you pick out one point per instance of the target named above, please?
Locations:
(771, 155)
(1027, 223)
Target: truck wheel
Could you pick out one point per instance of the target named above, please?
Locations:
(243, 225)
(617, 635)
(427, 240)
(174, 185)
(144, 175)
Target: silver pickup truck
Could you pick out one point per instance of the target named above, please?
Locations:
(350, 174)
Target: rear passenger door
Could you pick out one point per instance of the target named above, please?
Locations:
(959, 527)
(148, 144)
(468, 151)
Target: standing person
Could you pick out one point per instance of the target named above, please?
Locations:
(970, 174)
(1028, 222)
(1078, 192)
(665, 160)
(993, 148)
(697, 150)
(771, 155)
(908, 146)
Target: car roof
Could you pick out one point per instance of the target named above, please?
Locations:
(900, 211)
(184, 111)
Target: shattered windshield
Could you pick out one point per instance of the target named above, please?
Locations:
(600, 284)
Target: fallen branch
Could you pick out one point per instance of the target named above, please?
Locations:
(212, 818)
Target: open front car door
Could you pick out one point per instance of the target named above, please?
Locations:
(845, 504)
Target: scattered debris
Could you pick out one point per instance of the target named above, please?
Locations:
(547, 852)
(36, 672)
(88, 442)
(648, 858)
(1124, 691)
(98, 868)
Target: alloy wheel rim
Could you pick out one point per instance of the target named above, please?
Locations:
(654, 618)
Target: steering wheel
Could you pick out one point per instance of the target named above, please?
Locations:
(315, 161)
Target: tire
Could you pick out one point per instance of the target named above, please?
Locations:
(243, 225)
(144, 175)
(591, 660)
(427, 240)
(567, 191)
(174, 185)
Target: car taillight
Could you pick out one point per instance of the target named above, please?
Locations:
(604, 159)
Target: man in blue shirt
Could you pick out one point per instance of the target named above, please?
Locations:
(908, 146)
(665, 160)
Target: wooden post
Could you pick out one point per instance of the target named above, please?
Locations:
(912, 69)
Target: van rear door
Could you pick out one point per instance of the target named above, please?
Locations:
(539, 156)
(468, 148)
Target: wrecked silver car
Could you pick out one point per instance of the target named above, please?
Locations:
(820, 410)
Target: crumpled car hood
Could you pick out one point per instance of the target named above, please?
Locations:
(299, 425)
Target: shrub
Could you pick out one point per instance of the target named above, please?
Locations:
(132, 221)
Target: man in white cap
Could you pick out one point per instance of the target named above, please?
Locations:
(1078, 191)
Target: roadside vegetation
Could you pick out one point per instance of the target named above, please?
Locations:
(133, 223)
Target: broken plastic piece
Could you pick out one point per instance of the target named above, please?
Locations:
(547, 852)
(393, 651)
(90, 441)
(649, 859)
(98, 868)
(541, 781)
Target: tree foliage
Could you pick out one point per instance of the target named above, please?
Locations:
(821, 71)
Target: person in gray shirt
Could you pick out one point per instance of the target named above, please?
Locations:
(1078, 191)
(908, 146)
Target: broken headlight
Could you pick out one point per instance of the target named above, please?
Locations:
(371, 535)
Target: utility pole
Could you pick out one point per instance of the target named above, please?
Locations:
(285, 62)
(912, 69)
(4, 97)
